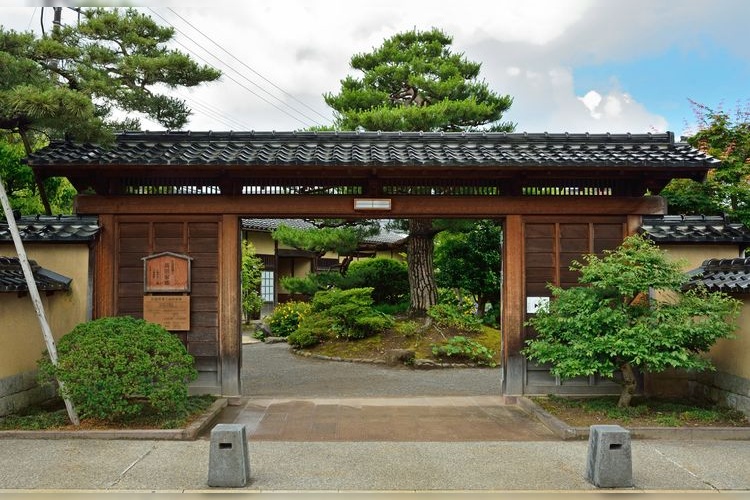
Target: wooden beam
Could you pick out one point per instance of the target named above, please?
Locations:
(513, 305)
(105, 283)
(230, 337)
(343, 206)
(513, 286)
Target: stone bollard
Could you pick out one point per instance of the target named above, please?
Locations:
(609, 462)
(228, 461)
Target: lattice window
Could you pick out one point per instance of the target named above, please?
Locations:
(267, 286)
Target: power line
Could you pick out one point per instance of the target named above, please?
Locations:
(240, 83)
(240, 74)
(248, 67)
(214, 112)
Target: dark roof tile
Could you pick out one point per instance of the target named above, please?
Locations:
(380, 148)
(55, 229)
(13, 280)
(693, 229)
(723, 275)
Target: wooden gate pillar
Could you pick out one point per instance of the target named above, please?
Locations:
(230, 337)
(513, 306)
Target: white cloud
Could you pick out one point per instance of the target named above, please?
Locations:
(527, 49)
(591, 100)
(545, 100)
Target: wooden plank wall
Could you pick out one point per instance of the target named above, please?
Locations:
(137, 237)
(551, 245)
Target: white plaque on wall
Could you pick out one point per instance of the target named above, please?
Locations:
(534, 303)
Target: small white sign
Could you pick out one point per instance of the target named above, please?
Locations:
(534, 303)
(372, 204)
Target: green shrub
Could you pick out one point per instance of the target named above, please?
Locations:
(351, 312)
(389, 279)
(113, 368)
(302, 339)
(459, 347)
(313, 328)
(286, 317)
(407, 328)
(251, 268)
(312, 283)
(393, 309)
(454, 316)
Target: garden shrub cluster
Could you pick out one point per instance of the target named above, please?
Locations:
(115, 368)
(345, 314)
(455, 312)
(286, 317)
(389, 279)
(463, 348)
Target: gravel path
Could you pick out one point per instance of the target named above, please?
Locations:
(272, 370)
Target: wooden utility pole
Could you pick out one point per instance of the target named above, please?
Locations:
(34, 294)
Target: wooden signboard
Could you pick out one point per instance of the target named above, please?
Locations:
(166, 272)
(170, 311)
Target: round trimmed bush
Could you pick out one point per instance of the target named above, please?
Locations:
(114, 368)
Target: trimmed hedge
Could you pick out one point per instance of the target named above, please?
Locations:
(114, 368)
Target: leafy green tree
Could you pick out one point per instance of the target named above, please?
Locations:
(611, 324)
(252, 268)
(472, 261)
(726, 189)
(21, 186)
(68, 83)
(414, 82)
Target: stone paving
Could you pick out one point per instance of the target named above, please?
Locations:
(437, 419)
(294, 398)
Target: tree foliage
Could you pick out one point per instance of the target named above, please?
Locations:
(414, 82)
(69, 83)
(340, 237)
(726, 189)
(610, 324)
(252, 268)
(472, 261)
(21, 186)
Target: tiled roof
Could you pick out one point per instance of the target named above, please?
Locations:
(385, 237)
(379, 148)
(12, 278)
(723, 275)
(54, 229)
(693, 229)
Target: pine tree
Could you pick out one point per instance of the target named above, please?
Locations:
(414, 82)
(68, 84)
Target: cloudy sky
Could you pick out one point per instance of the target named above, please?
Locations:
(570, 65)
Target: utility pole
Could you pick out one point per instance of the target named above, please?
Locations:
(34, 294)
(57, 20)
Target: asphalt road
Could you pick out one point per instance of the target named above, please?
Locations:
(272, 370)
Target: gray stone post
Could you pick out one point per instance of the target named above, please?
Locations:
(228, 461)
(609, 463)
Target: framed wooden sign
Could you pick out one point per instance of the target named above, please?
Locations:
(166, 272)
(170, 311)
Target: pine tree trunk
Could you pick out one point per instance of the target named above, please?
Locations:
(421, 274)
(628, 386)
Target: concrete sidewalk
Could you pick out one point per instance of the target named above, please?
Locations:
(367, 428)
(40, 465)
